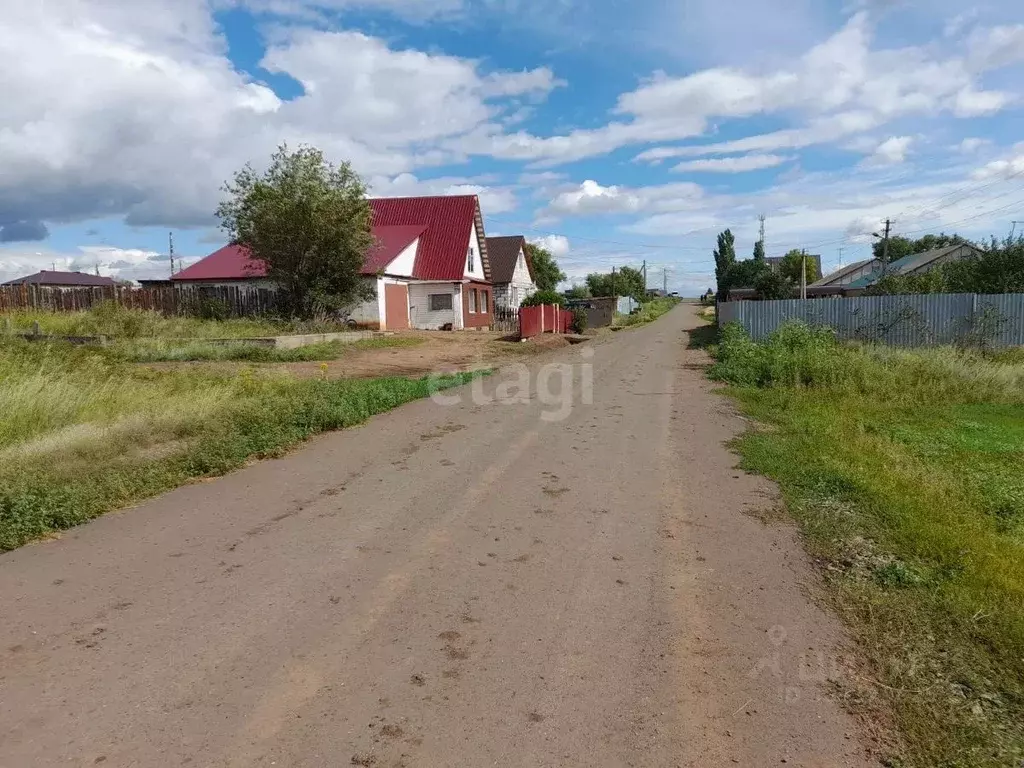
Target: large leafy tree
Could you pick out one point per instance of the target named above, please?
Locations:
(578, 292)
(901, 247)
(725, 257)
(998, 269)
(308, 220)
(792, 266)
(625, 281)
(546, 274)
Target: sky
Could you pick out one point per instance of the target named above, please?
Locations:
(613, 132)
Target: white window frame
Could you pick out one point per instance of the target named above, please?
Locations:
(432, 296)
(484, 302)
(471, 260)
(472, 301)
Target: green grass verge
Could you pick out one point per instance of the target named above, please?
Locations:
(85, 434)
(904, 470)
(648, 313)
(167, 350)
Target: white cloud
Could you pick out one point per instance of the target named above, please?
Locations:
(1005, 169)
(591, 198)
(133, 110)
(556, 245)
(971, 145)
(109, 261)
(493, 199)
(753, 162)
(892, 151)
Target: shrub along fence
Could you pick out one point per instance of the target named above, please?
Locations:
(962, 319)
(213, 302)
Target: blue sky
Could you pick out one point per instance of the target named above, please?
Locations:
(611, 131)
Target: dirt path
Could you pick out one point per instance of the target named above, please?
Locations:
(460, 585)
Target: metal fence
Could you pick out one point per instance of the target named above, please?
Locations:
(907, 321)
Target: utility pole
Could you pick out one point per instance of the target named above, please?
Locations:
(664, 281)
(645, 277)
(1013, 227)
(803, 274)
(170, 245)
(841, 249)
(885, 245)
(761, 218)
(615, 284)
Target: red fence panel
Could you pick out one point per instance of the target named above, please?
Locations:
(547, 318)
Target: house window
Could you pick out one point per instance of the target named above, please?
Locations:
(472, 301)
(483, 301)
(439, 302)
(471, 260)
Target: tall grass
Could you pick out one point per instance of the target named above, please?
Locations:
(649, 312)
(84, 433)
(111, 319)
(169, 350)
(904, 469)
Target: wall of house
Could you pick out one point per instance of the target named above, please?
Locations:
(371, 311)
(511, 295)
(478, 262)
(421, 315)
(478, 319)
(403, 263)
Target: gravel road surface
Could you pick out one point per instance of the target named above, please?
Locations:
(460, 584)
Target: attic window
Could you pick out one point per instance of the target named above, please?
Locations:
(471, 260)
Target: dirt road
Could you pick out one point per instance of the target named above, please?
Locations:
(450, 585)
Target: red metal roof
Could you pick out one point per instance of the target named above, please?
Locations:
(231, 262)
(448, 220)
(443, 225)
(391, 241)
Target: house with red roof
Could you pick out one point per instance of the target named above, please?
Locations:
(428, 267)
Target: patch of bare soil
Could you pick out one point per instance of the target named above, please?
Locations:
(440, 352)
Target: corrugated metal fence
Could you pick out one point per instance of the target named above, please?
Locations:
(906, 321)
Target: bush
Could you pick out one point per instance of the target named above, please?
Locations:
(544, 297)
(579, 319)
(795, 355)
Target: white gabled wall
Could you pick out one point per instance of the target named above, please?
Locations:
(403, 263)
(511, 295)
(478, 264)
(371, 310)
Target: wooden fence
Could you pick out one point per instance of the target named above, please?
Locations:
(506, 319)
(227, 301)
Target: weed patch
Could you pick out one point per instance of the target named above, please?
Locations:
(904, 470)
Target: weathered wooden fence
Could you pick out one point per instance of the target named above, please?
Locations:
(226, 301)
(506, 319)
(919, 320)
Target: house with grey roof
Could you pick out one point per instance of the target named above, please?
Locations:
(511, 270)
(54, 279)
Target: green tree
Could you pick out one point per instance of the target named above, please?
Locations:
(308, 220)
(725, 257)
(625, 281)
(792, 266)
(759, 251)
(578, 292)
(901, 247)
(544, 297)
(773, 285)
(745, 274)
(546, 274)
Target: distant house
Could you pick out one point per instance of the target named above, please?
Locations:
(48, 279)
(848, 274)
(429, 267)
(917, 263)
(511, 270)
